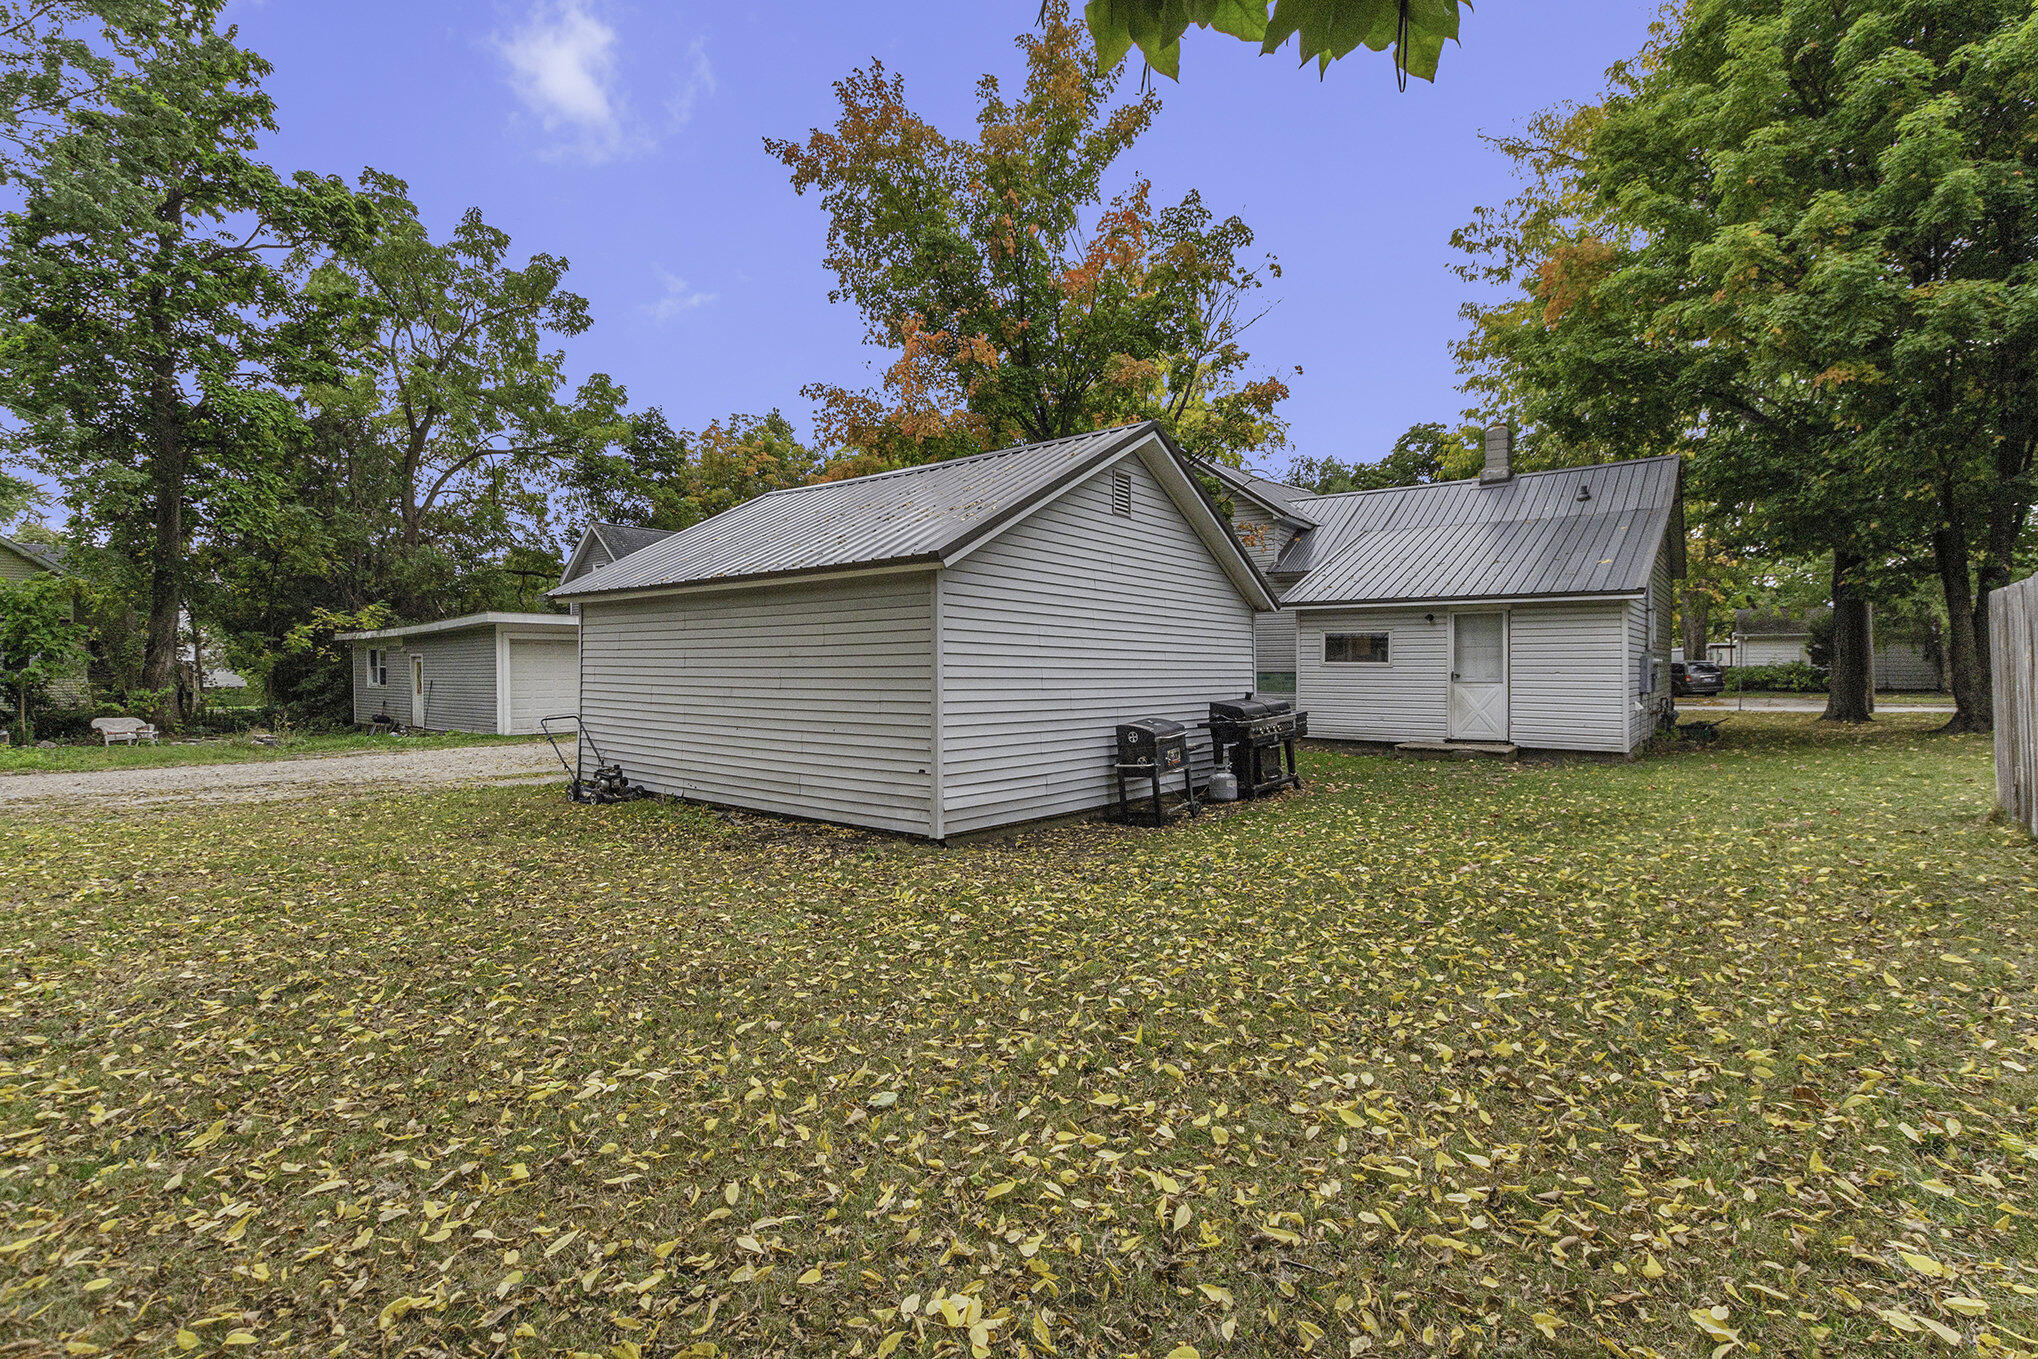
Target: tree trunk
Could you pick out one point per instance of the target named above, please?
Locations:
(1697, 624)
(1965, 670)
(1848, 687)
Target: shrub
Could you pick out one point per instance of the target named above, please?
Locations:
(1794, 678)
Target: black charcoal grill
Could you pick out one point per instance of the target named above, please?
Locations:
(1149, 750)
(1256, 738)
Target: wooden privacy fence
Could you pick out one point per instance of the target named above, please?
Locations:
(2013, 648)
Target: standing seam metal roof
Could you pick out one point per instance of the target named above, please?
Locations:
(907, 515)
(1524, 537)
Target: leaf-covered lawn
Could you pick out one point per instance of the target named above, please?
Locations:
(1725, 1046)
(232, 750)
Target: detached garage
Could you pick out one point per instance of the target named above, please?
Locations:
(934, 650)
(485, 672)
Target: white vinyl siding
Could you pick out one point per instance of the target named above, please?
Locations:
(1650, 633)
(1274, 649)
(1772, 650)
(1570, 676)
(1070, 622)
(1258, 533)
(1566, 668)
(1403, 700)
(808, 700)
(544, 680)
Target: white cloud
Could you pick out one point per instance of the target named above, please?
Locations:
(563, 66)
(677, 298)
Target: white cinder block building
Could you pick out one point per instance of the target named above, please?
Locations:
(934, 650)
(485, 672)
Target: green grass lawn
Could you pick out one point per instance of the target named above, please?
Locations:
(234, 750)
(1730, 1047)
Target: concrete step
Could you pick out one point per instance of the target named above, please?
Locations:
(1457, 750)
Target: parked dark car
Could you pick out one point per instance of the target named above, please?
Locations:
(1691, 678)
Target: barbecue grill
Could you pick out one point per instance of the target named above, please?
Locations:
(1148, 750)
(1256, 739)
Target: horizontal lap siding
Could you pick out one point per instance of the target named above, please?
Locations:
(372, 701)
(1274, 642)
(1403, 700)
(808, 700)
(1903, 665)
(1772, 650)
(1568, 676)
(459, 679)
(1071, 622)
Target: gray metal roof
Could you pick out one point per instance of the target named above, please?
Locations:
(1521, 538)
(45, 557)
(1279, 497)
(909, 515)
(623, 539)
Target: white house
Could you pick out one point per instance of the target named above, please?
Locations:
(485, 672)
(933, 650)
(1529, 609)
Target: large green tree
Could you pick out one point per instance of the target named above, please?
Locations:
(151, 336)
(1020, 301)
(1806, 254)
(1324, 30)
(58, 57)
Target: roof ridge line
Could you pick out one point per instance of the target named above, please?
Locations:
(968, 457)
(1518, 476)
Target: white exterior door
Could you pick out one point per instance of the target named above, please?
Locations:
(417, 691)
(1478, 701)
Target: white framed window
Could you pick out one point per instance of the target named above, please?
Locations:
(378, 667)
(1355, 648)
(1121, 494)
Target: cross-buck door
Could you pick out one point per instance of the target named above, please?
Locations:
(417, 691)
(1478, 699)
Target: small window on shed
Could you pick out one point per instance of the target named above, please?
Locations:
(1365, 648)
(378, 666)
(1121, 494)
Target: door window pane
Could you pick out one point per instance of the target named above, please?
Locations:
(1478, 660)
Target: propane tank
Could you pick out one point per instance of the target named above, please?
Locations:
(1223, 786)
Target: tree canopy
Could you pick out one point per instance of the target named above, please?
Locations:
(1324, 30)
(1019, 301)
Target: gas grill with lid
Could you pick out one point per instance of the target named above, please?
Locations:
(1254, 737)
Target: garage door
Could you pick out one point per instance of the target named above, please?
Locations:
(544, 678)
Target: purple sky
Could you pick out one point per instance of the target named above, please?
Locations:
(628, 138)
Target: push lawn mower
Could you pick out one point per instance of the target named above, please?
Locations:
(608, 783)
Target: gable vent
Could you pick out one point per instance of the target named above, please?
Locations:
(1121, 494)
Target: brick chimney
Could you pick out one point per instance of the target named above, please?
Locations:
(1499, 455)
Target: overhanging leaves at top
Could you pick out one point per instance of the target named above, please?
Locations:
(1325, 30)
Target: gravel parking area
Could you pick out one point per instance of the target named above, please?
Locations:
(337, 775)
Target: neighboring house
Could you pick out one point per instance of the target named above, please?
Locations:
(27, 561)
(1765, 638)
(601, 544)
(933, 650)
(1531, 609)
(485, 672)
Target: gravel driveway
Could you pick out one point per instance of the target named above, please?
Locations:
(305, 776)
